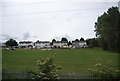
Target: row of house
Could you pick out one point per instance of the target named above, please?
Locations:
(55, 44)
(37, 44)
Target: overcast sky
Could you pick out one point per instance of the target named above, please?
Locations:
(47, 19)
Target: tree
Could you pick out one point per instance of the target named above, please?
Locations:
(64, 40)
(53, 41)
(93, 42)
(11, 43)
(46, 69)
(107, 29)
(82, 39)
(76, 40)
(69, 43)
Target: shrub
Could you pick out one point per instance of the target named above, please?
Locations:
(46, 69)
(104, 72)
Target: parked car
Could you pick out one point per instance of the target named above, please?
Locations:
(12, 48)
(6, 48)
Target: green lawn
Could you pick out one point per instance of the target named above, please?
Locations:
(72, 61)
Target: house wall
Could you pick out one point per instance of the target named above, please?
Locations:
(57, 44)
(82, 43)
(60, 44)
(42, 45)
(79, 44)
(25, 44)
(75, 44)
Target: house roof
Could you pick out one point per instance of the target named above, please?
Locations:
(75, 41)
(25, 42)
(78, 41)
(60, 42)
(42, 41)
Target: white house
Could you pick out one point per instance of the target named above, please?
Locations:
(60, 44)
(79, 43)
(25, 44)
(82, 44)
(2, 45)
(75, 44)
(42, 44)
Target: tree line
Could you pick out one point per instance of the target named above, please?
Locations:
(107, 30)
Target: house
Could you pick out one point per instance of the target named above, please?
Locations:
(25, 44)
(2, 45)
(75, 44)
(82, 44)
(60, 44)
(79, 43)
(42, 44)
(64, 44)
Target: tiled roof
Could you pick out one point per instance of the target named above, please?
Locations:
(42, 42)
(60, 42)
(25, 42)
(79, 41)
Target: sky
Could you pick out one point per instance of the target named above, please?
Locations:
(45, 20)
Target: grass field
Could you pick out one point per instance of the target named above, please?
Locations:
(72, 61)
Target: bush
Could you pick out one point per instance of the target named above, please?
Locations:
(46, 69)
(104, 72)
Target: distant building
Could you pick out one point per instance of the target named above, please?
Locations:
(82, 44)
(26, 44)
(60, 44)
(79, 43)
(2, 45)
(42, 44)
(75, 44)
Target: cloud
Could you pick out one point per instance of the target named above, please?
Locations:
(68, 19)
(35, 36)
(7, 37)
(60, 0)
(26, 35)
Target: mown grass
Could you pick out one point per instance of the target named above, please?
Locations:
(72, 61)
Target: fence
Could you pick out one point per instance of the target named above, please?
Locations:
(18, 75)
(74, 76)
